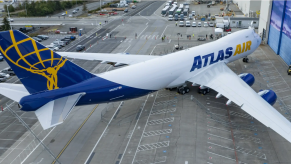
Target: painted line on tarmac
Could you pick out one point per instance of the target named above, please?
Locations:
(146, 41)
(92, 151)
(144, 128)
(75, 134)
(134, 128)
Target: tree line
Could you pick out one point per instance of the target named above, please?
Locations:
(41, 8)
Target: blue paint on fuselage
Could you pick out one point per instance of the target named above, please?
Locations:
(98, 90)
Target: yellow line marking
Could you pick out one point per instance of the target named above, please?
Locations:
(75, 134)
(146, 41)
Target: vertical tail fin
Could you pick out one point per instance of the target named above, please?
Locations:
(38, 67)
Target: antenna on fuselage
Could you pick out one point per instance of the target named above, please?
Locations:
(251, 25)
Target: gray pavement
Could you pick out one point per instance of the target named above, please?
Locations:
(162, 127)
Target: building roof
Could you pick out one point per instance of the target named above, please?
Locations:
(241, 18)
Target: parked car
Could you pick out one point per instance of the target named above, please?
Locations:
(5, 74)
(63, 14)
(2, 78)
(72, 37)
(176, 17)
(181, 24)
(190, 16)
(126, 10)
(133, 6)
(114, 13)
(80, 48)
(74, 11)
(188, 23)
(205, 24)
(37, 39)
(170, 18)
(211, 24)
(43, 37)
(8, 71)
(181, 17)
(193, 13)
(199, 24)
(193, 24)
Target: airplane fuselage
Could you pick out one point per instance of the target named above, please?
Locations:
(143, 78)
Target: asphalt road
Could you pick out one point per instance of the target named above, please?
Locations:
(107, 28)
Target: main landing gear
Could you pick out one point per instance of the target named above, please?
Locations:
(246, 59)
(203, 91)
(183, 89)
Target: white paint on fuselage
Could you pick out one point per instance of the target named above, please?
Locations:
(174, 69)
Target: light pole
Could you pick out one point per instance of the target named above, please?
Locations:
(178, 39)
(9, 17)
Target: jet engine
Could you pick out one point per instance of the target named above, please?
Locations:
(248, 78)
(269, 96)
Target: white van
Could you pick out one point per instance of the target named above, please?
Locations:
(219, 25)
(188, 24)
(193, 24)
(170, 17)
(199, 24)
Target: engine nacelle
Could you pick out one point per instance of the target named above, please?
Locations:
(248, 78)
(268, 95)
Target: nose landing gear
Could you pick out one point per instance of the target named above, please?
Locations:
(246, 59)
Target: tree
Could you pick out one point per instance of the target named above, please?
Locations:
(84, 7)
(11, 8)
(5, 8)
(6, 24)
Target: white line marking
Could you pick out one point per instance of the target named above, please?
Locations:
(37, 145)
(144, 130)
(126, 48)
(102, 133)
(142, 31)
(134, 128)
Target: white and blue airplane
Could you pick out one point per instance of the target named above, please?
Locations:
(52, 85)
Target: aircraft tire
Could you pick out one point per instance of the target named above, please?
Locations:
(204, 92)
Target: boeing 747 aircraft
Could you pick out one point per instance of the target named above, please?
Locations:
(52, 85)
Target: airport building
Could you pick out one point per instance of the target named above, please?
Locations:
(275, 27)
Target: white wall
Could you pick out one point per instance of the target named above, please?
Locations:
(243, 5)
(264, 15)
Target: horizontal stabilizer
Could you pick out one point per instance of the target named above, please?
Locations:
(56, 111)
(13, 91)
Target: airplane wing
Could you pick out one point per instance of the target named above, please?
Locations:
(107, 57)
(220, 78)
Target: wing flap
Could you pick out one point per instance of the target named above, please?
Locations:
(55, 112)
(107, 57)
(220, 78)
